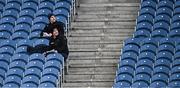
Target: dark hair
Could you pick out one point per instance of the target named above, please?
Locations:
(49, 15)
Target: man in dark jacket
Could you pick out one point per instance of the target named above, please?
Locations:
(52, 23)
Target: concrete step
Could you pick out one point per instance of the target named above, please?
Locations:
(108, 1)
(124, 26)
(93, 57)
(89, 78)
(110, 5)
(88, 85)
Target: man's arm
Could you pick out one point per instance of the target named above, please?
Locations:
(45, 33)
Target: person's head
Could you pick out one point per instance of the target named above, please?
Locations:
(55, 32)
(52, 18)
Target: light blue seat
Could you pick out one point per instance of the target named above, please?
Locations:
(55, 56)
(51, 71)
(8, 20)
(161, 69)
(33, 71)
(124, 78)
(177, 55)
(25, 20)
(20, 57)
(5, 58)
(158, 84)
(15, 72)
(61, 12)
(37, 57)
(167, 41)
(29, 5)
(10, 13)
(9, 43)
(49, 79)
(46, 84)
(53, 64)
(15, 1)
(49, 1)
(22, 27)
(17, 65)
(34, 1)
(10, 85)
(24, 42)
(19, 35)
(174, 80)
(31, 79)
(7, 50)
(27, 13)
(164, 55)
(2, 75)
(46, 5)
(176, 63)
(35, 64)
(63, 4)
(12, 6)
(175, 70)
(13, 79)
(28, 85)
(7, 28)
(5, 35)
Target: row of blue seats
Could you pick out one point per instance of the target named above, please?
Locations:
(30, 71)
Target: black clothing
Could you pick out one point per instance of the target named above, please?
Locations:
(49, 28)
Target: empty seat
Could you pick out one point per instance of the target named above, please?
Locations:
(24, 42)
(8, 20)
(28, 85)
(10, 13)
(34, 1)
(6, 28)
(175, 70)
(161, 26)
(63, 4)
(126, 70)
(148, 48)
(124, 78)
(17, 65)
(160, 33)
(53, 64)
(5, 35)
(165, 3)
(17, 36)
(144, 70)
(8, 43)
(127, 62)
(41, 19)
(7, 50)
(175, 25)
(129, 55)
(29, 5)
(167, 41)
(13, 6)
(174, 33)
(142, 34)
(35, 64)
(46, 5)
(131, 48)
(139, 84)
(164, 10)
(20, 57)
(145, 18)
(158, 84)
(61, 12)
(161, 69)
(42, 41)
(177, 55)
(15, 72)
(13, 79)
(49, 79)
(37, 57)
(34, 36)
(22, 27)
(31, 79)
(176, 18)
(47, 84)
(163, 62)
(147, 10)
(9, 85)
(5, 58)
(3, 66)
(160, 77)
(145, 62)
(33, 71)
(25, 20)
(176, 11)
(2, 75)
(144, 26)
(27, 13)
(15, 1)
(166, 47)
(37, 27)
(21, 50)
(176, 63)
(164, 55)
(174, 84)
(162, 18)
(151, 4)
(55, 56)
(147, 55)
(43, 12)
(51, 71)
(151, 41)
(142, 78)
(133, 41)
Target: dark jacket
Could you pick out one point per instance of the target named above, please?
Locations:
(49, 28)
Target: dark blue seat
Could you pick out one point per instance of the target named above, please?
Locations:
(9, 43)
(124, 78)
(126, 70)
(175, 70)
(129, 55)
(31, 79)
(7, 28)
(37, 27)
(144, 26)
(144, 70)
(142, 78)
(147, 55)
(41, 41)
(131, 48)
(61, 12)
(133, 41)
(37, 57)
(35, 64)
(1, 81)
(3, 2)
(2, 75)
(33, 71)
(147, 10)
(4, 66)
(51, 71)
(175, 25)
(34, 36)
(158, 84)
(165, 3)
(43, 12)
(176, 63)
(163, 62)
(10, 85)
(24, 20)
(175, 18)
(7, 50)
(174, 33)
(15, 1)
(34, 1)
(29, 5)
(151, 41)
(17, 65)
(143, 33)
(160, 77)
(46, 5)
(164, 55)
(151, 4)
(15, 72)
(41, 19)
(159, 33)
(166, 47)
(20, 57)
(12, 6)
(24, 42)
(177, 4)
(47, 84)
(28, 85)
(177, 55)
(167, 41)
(5, 35)
(127, 62)
(174, 84)
(174, 80)
(55, 56)
(177, 48)
(176, 11)
(161, 69)
(27, 13)
(22, 27)
(49, 79)
(148, 48)
(10, 13)
(19, 35)
(62, 19)
(8, 20)
(121, 85)
(164, 10)
(145, 18)
(53, 64)
(161, 26)
(13, 79)
(5, 58)
(63, 4)
(139, 84)
(162, 18)
(145, 62)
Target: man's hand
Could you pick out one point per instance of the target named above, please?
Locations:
(47, 35)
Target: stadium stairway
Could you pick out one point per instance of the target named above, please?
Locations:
(96, 38)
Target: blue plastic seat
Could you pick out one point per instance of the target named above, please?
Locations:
(139, 84)
(166, 47)
(174, 84)
(177, 55)
(35, 64)
(7, 28)
(162, 18)
(63, 4)
(164, 10)
(13, 6)
(151, 4)
(24, 20)
(161, 26)
(1, 82)
(29, 5)
(24, 42)
(144, 70)
(51, 71)
(127, 62)
(34, 36)
(176, 11)
(27, 13)
(177, 48)
(166, 3)
(53, 64)
(13, 79)
(61, 19)
(160, 77)
(46, 5)
(8, 20)
(43, 12)
(34, 1)
(145, 18)
(151, 41)
(147, 55)
(129, 55)
(175, 33)
(176, 63)
(46, 84)
(20, 57)
(124, 78)
(49, 1)
(5, 58)
(5, 35)
(31, 79)
(2, 75)
(133, 41)
(164, 55)
(41, 19)
(176, 18)
(142, 78)
(147, 10)
(174, 80)
(10, 13)
(17, 65)
(37, 57)
(145, 62)
(41, 41)
(37, 27)
(161, 69)
(55, 56)
(144, 26)
(148, 48)
(7, 50)
(21, 50)
(3, 66)
(143, 33)
(3, 2)
(175, 25)
(159, 33)
(28, 85)
(126, 70)
(49, 79)
(15, 72)
(158, 84)
(9, 43)
(17, 36)
(131, 48)
(167, 41)
(22, 27)
(175, 70)
(61, 12)
(33, 71)
(177, 4)
(15, 1)
(10, 85)
(162, 62)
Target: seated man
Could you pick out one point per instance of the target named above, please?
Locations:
(58, 42)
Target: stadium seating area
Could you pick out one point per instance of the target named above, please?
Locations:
(152, 57)
(21, 22)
